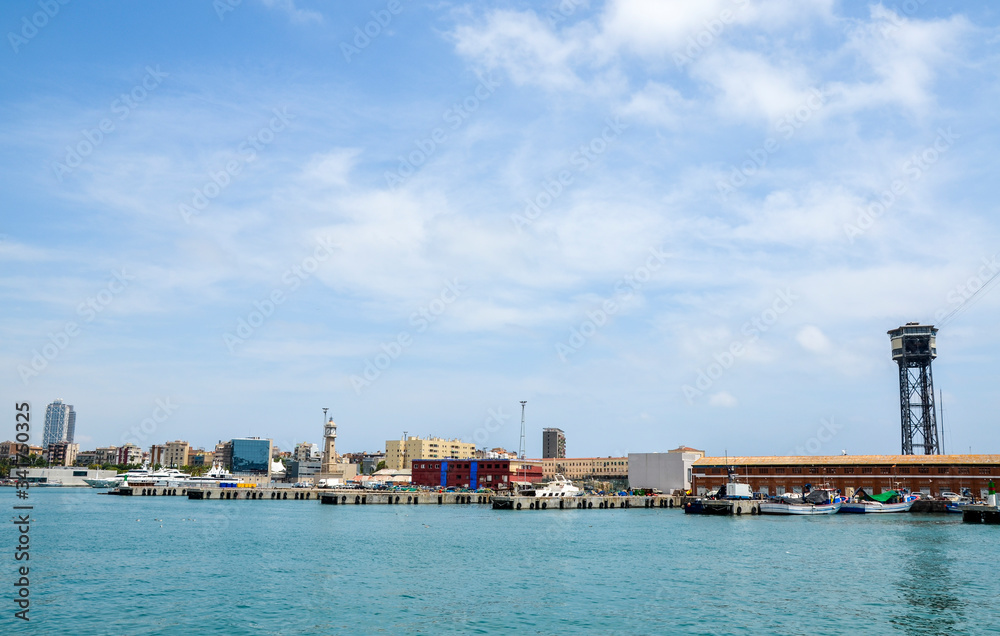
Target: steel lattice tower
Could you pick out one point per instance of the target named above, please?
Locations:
(913, 347)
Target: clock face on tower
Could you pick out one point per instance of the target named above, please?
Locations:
(331, 430)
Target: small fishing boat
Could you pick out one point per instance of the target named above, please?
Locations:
(720, 501)
(816, 502)
(889, 501)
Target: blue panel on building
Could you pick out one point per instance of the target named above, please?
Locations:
(472, 476)
(444, 474)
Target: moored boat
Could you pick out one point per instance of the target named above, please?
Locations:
(889, 501)
(816, 502)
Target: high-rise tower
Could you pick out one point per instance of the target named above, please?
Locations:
(60, 422)
(913, 347)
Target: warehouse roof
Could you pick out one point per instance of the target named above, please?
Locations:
(825, 460)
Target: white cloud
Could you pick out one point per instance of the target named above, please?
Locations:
(813, 339)
(297, 15)
(723, 399)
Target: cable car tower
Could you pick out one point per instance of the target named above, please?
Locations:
(913, 347)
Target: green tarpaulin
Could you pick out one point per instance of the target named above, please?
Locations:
(884, 497)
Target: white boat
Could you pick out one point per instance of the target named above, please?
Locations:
(817, 502)
(558, 487)
(890, 501)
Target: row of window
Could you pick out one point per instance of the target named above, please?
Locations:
(865, 470)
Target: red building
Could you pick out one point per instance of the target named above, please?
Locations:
(496, 474)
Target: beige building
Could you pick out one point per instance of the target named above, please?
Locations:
(400, 453)
(574, 468)
(177, 454)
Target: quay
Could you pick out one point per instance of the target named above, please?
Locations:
(981, 513)
(585, 502)
(354, 497)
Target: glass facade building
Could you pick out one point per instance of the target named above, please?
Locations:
(252, 455)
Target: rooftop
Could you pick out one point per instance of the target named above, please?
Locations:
(825, 460)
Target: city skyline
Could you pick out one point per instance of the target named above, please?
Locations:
(657, 223)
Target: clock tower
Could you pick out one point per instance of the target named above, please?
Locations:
(329, 448)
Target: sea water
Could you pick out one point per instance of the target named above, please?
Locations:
(166, 565)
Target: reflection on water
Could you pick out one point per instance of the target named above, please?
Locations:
(926, 581)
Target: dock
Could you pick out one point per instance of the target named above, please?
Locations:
(981, 513)
(354, 497)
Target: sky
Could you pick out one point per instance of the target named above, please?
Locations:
(658, 223)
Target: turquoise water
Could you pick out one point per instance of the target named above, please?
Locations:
(166, 565)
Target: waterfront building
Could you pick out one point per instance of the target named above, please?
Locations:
(8, 450)
(666, 472)
(63, 453)
(106, 455)
(307, 452)
(86, 458)
(304, 471)
(60, 423)
(201, 457)
(64, 476)
(580, 468)
(128, 454)
(497, 474)
(251, 456)
(927, 474)
(157, 455)
(553, 443)
(224, 454)
(399, 453)
(177, 454)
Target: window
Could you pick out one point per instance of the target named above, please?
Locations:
(984, 470)
(764, 471)
(797, 471)
(813, 470)
(779, 471)
(923, 470)
(943, 470)
(831, 470)
(963, 470)
(866, 470)
(884, 470)
(848, 470)
(904, 470)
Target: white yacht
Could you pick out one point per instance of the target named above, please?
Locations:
(558, 487)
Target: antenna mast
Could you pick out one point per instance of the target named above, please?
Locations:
(520, 448)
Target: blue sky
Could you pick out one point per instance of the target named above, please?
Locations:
(659, 223)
